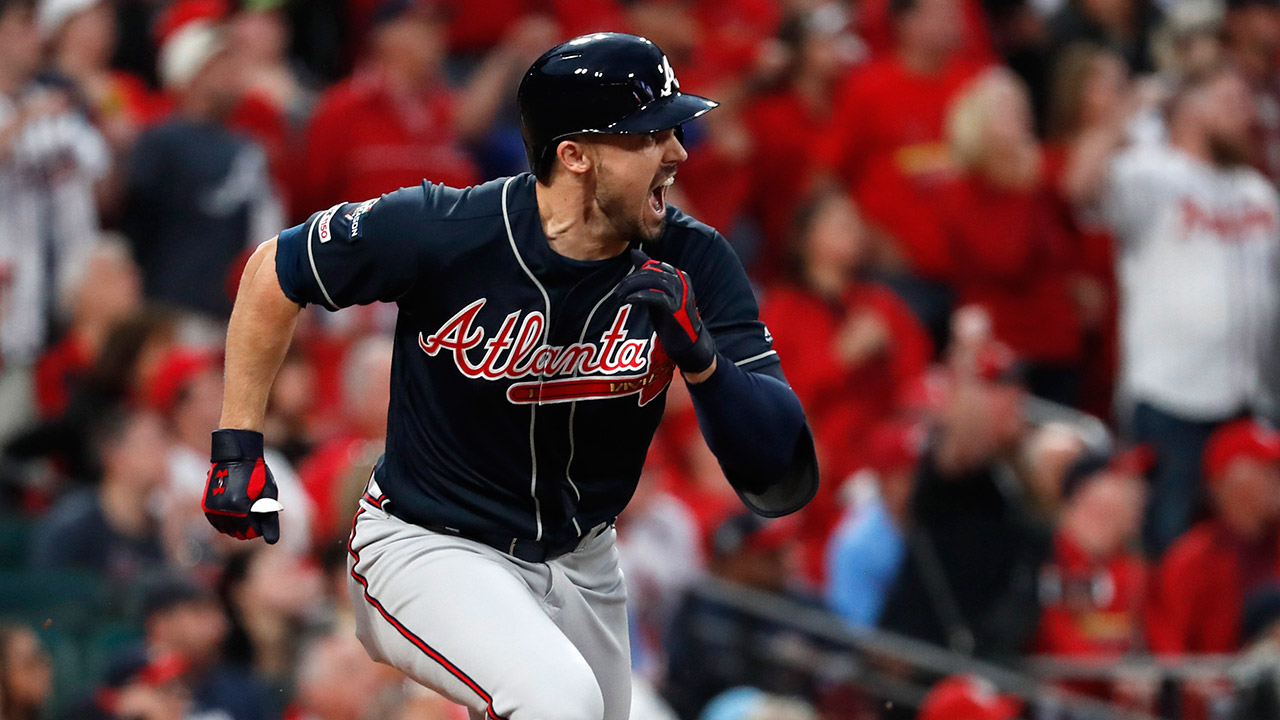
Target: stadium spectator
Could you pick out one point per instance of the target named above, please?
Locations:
(887, 147)
(1202, 581)
(783, 123)
(750, 552)
(973, 546)
(1091, 103)
(361, 435)
(1048, 453)
(866, 550)
(854, 350)
(1092, 588)
(269, 594)
(197, 193)
(138, 687)
(395, 121)
(185, 621)
(104, 290)
(745, 703)
(1251, 39)
(288, 425)
(121, 371)
(50, 158)
(111, 529)
(26, 674)
(1011, 254)
(1260, 633)
(1198, 237)
(337, 681)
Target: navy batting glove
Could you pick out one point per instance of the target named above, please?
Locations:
(667, 294)
(240, 495)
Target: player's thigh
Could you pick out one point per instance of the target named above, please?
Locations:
(453, 618)
(589, 603)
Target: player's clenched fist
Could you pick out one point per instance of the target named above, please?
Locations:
(666, 292)
(240, 496)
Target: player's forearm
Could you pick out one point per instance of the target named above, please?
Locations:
(753, 423)
(258, 336)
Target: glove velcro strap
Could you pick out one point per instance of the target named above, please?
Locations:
(235, 444)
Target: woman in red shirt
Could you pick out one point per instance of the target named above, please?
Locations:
(1012, 255)
(854, 350)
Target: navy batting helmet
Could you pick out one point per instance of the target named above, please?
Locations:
(600, 83)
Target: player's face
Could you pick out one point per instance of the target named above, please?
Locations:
(633, 173)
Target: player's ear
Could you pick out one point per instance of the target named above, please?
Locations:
(575, 156)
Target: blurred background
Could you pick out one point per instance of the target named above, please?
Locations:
(1019, 258)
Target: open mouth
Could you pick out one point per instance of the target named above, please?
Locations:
(658, 197)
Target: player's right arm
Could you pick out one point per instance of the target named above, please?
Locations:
(352, 253)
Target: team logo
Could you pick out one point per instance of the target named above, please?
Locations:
(357, 213)
(669, 78)
(615, 366)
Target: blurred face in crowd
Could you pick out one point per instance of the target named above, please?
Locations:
(199, 410)
(28, 670)
(90, 34)
(1247, 495)
(194, 629)
(1114, 504)
(337, 679)
(412, 45)
(137, 457)
(836, 237)
(1104, 88)
(1253, 39)
(627, 176)
(278, 583)
(219, 84)
(367, 387)
(1220, 113)
(19, 41)
(111, 288)
(935, 26)
(260, 37)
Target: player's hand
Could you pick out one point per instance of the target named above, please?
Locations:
(667, 294)
(240, 495)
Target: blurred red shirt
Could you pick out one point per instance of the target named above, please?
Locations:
(1090, 607)
(783, 128)
(843, 404)
(57, 374)
(1199, 591)
(1013, 257)
(364, 141)
(875, 27)
(887, 143)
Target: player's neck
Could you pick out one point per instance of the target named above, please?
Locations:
(574, 226)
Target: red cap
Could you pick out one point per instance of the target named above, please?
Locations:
(180, 14)
(965, 697)
(173, 374)
(1242, 438)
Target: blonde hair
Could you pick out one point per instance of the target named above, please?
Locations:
(968, 115)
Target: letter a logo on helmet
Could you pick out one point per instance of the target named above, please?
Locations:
(610, 83)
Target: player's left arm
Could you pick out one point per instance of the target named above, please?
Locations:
(749, 416)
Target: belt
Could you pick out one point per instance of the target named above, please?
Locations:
(519, 548)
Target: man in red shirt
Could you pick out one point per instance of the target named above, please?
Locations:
(394, 121)
(887, 146)
(1202, 581)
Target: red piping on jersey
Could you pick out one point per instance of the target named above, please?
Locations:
(404, 631)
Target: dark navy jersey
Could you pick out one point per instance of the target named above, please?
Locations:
(524, 391)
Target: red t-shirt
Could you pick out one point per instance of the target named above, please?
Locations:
(783, 129)
(1013, 257)
(1090, 607)
(1198, 593)
(57, 373)
(887, 143)
(363, 142)
(875, 27)
(842, 404)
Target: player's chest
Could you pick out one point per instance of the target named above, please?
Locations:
(554, 342)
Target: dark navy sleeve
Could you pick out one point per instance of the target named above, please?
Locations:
(728, 305)
(359, 253)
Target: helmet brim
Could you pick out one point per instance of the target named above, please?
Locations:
(662, 114)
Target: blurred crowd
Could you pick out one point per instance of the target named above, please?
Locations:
(972, 226)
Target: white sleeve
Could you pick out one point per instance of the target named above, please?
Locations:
(1138, 186)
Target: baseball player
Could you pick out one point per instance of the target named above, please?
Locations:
(541, 318)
